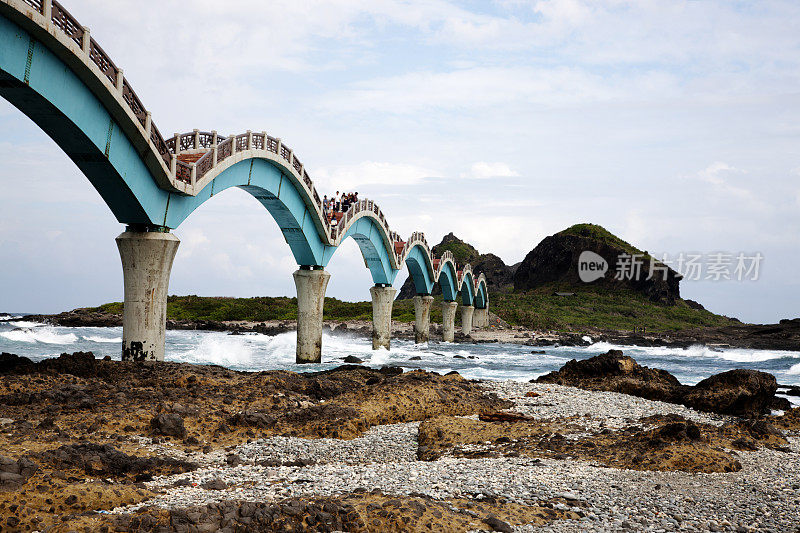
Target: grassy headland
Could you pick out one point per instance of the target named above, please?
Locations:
(593, 307)
(265, 308)
(611, 306)
(538, 309)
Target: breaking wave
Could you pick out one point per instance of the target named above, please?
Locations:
(737, 355)
(43, 334)
(25, 324)
(97, 338)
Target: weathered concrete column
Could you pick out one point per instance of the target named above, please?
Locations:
(466, 318)
(146, 264)
(422, 318)
(449, 321)
(382, 300)
(480, 319)
(311, 285)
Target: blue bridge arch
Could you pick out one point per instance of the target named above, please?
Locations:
(57, 75)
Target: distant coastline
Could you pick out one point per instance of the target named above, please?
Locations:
(351, 317)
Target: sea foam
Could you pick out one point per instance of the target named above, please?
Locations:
(44, 334)
(25, 324)
(97, 338)
(739, 355)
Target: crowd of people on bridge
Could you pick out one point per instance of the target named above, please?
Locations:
(335, 206)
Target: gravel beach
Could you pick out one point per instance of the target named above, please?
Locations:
(100, 445)
(763, 496)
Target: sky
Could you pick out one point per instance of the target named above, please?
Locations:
(675, 125)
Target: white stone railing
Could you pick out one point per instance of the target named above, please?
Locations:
(186, 160)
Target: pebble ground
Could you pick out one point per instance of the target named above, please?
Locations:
(763, 496)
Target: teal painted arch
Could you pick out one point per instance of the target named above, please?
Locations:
(277, 192)
(467, 288)
(59, 102)
(62, 91)
(448, 281)
(36, 81)
(44, 88)
(481, 294)
(374, 245)
(420, 269)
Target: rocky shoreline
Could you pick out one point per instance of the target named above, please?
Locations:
(782, 336)
(101, 445)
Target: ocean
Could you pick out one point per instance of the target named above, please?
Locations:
(254, 352)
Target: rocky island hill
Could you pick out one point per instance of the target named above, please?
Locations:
(545, 293)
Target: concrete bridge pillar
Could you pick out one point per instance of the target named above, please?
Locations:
(422, 318)
(146, 264)
(382, 300)
(311, 285)
(449, 321)
(480, 319)
(466, 318)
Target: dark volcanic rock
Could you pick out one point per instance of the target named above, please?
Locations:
(83, 317)
(497, 525)
(105, 460)
(10, 362)
(694, 305)
(498, 274)
(736, 392)
(286, 515)
(555, 260)
(616, 372)
(14, 474)
(78, 364)
(353, 359)
(215, 484)
(253, 419)
(169, 424)
(782, 336)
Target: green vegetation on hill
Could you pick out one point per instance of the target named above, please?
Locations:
(462, 252)
(260, 309)
(594, 307)
(590, 307)
(600, 234)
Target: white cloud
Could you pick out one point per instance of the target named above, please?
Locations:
(722, 177)
(715, 172)
(192, 240)
(483, 170)
(471, 88)
(595, 107)
(350, 177)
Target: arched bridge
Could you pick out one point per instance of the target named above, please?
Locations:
(54, 71)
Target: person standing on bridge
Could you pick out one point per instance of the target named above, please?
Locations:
(325, 206)
(337, 203)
